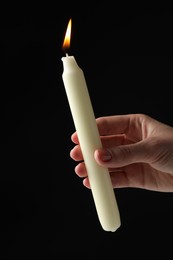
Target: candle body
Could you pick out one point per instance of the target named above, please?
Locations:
(89, 139)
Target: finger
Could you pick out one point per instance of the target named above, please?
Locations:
(111, 125)
(120, 124)
(114, 140)
(76, 153)
(108, 141)
(120, 179)
(86, 183)
(74, 138)
(80, 170)
(135, 176)
(123, 155)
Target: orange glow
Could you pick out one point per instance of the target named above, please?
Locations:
(66, 43)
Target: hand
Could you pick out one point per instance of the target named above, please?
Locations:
(137, 150)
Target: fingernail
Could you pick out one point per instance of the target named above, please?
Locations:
(106, 156)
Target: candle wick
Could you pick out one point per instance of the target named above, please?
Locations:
(66, 54)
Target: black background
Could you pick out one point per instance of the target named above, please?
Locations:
(126, 55)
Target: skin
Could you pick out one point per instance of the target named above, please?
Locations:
(137, 150)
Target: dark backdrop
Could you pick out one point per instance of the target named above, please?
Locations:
(126, 55)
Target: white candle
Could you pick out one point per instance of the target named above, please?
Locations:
(89, 139)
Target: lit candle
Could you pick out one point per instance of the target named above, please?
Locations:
(89, 139)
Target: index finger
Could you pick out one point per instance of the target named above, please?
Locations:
(120, 124)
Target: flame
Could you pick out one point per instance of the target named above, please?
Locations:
(66, 43)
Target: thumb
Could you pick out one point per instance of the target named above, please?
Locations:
(123, 155)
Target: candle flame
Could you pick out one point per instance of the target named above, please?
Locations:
(66, 43)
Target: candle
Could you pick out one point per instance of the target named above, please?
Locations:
(89, 139)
